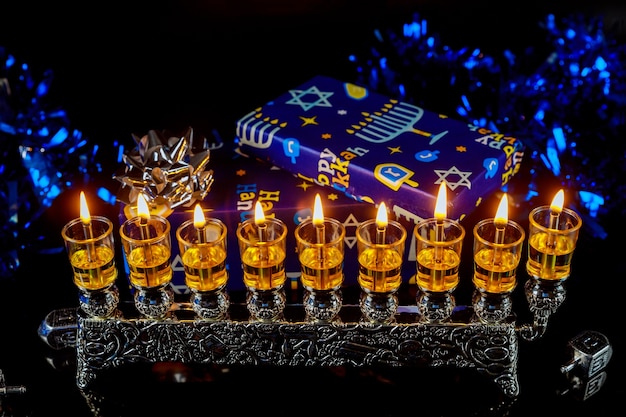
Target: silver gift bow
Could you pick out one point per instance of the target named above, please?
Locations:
(169, 171)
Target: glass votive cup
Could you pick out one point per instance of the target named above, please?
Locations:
(438, 254)
(551, 242)
(321, 255)
(203, 254)
(91, 252)
(147, 249)
(263, 250)
(321, 261)
(380, 256)
(495, 264)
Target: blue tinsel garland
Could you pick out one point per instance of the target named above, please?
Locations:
(42, 155)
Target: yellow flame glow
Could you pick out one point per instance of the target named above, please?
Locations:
(381, 216)
(259, 216)
(318, 213)
(502, 214)
(440, 205)
(198, 217)
(142, 207)
(557, 202)
(84, 209)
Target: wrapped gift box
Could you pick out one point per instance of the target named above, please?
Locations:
(373, 148)
(239, 182)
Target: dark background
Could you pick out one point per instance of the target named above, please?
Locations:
(124, 68)
(127, 67)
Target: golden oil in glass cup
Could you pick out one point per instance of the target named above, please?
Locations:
(438, 255)
(320, 247)
(91, 251)
(380, 255)
(147, 248)
(262, 249)
(552, 239)
(497, 252)
(203, 253)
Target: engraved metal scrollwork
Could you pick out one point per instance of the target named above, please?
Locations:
(544, 298)
(110, 343)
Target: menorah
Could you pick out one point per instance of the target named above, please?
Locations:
(321, 330)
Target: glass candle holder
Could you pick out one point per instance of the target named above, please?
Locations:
(497, 252)
(262, 249)
(438, 255)
(203, 254)
(321, 255)
(380, 254)
(551, 242)
(147, 249)
(91, 252)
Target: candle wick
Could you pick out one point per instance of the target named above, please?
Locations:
(381, 232)
(201, 234)
(263, 249)
(498, 240)
(262, 232)
(320, 235)
(145, 230)
(145, 235)
(554, 225)
(91, 252)
(381, 235)
(439, 237)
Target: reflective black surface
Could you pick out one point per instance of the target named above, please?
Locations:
(181, 64)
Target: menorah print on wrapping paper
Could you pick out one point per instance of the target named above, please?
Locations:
(258, 126)
(394, 119)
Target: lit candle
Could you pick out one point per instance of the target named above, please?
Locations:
(440, 215)
(556, 207)
(92, 254)
(438, 248)
(318, 220)
(144, 216)
(320, 236)
(381, 231)
(259, 220)
(143, 211)
(199, 223)
(381, 224)
(85, 217)
(500, 221)
(438, 277)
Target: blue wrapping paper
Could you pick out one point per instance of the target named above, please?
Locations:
(374, 148)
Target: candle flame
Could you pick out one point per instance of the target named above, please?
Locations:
(381, 216)
(440, 206)
(318, 213)
(557, 202)
(198, 217)
(84, 210)
(142, 207)
(502, 214)
(259, 216)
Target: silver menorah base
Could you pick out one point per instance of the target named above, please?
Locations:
(472, 339)
(492, 350)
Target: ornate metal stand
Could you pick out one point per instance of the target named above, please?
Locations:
(464, 341)
(103, 344)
